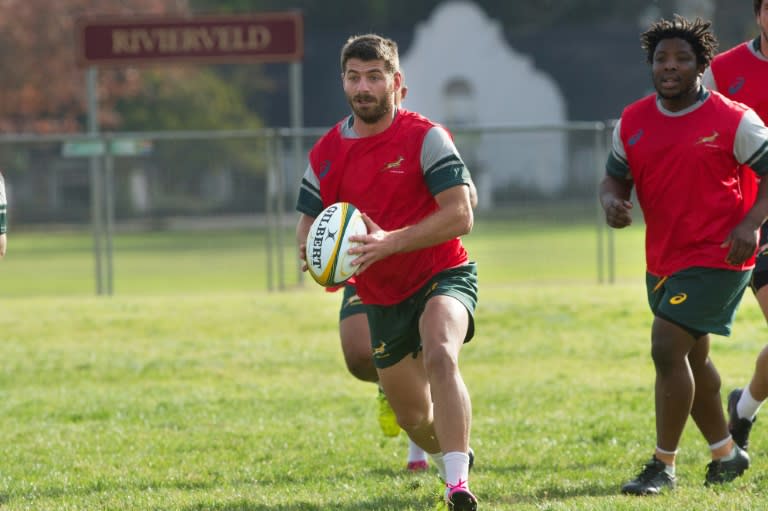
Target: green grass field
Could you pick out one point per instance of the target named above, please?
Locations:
(162, 263)
(194, 389)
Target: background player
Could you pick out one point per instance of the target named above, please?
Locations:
(741, 73)
(682, 149)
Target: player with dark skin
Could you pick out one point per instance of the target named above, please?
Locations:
(741, 74)
(687, 382)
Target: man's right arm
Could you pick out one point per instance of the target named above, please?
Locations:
(708, 79)
(472, 194)
(614, 198)
(616, 187)
(308, 204)
(302, 230)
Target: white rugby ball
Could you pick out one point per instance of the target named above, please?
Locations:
(328, 242)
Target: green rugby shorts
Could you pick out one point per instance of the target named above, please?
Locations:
(395, 328)
(350, 303)
(698, 299)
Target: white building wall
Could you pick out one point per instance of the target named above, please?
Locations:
(460, 44)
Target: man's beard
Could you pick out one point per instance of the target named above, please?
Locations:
(764, 40)
(372, 113)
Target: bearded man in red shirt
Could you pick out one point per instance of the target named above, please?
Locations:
(419, 288)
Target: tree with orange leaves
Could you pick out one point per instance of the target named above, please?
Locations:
(42, 90)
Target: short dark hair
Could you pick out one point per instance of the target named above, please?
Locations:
(757, 5)
(371, 47)
(697, 33)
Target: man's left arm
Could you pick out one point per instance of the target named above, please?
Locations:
(453, 218)
(750, 148)
(472, 194)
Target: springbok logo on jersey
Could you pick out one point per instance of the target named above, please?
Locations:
(394, 166)
(708, 140)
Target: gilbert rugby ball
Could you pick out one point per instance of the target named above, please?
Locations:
(328, 243)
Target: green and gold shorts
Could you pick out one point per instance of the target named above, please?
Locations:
(395, 328)
(701, 300)
(350, 303)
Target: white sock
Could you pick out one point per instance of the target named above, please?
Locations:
(456, 468)
(747, 405)
(437, 459)
(729, 456)
(669, 469)
(668, 453)
(415, 453)
(721, 443)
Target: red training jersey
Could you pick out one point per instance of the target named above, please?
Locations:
(742, 75)
(687, 180)
(381, 175)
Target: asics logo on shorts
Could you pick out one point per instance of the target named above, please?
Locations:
(678, 299)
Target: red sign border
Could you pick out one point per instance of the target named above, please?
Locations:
(90, 21)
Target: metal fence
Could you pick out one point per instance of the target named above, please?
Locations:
(175, 180)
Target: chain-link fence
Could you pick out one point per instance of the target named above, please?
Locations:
(153, 181)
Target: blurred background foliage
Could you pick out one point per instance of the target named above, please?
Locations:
(42, 89)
